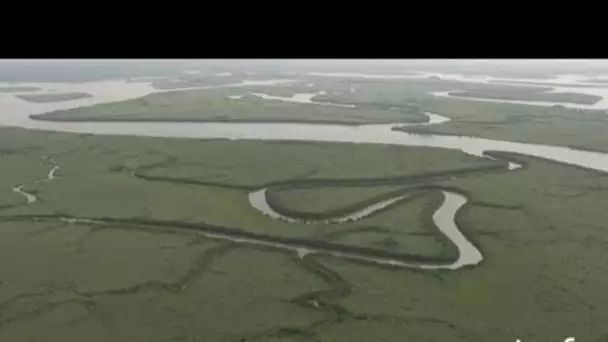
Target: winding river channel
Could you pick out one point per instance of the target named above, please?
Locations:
(16, 112)
(29, 197)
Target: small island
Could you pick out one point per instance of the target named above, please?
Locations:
(57, 97)
(526, 94)
(17, 89)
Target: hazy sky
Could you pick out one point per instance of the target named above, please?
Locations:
(59, 70)
(326, 61)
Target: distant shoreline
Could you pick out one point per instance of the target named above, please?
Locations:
(9, 90)
(46, 98)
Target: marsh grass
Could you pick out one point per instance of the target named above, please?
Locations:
(541, 230)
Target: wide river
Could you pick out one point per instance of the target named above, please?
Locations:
(15, 112)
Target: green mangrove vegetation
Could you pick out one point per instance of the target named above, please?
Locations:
(540, 229)
(215, 105)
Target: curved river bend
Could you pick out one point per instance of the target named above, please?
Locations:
(443, 218)
(16, 112)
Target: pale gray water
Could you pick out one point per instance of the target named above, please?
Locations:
(514, 166)
(373, 134)
(51, 175)
(444, 220)
(302, 98)
(29, 197)
(258, 200)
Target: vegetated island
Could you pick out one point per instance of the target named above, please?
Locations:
(18, 89)
(58, 97)
(529, 95)
(215, 105)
